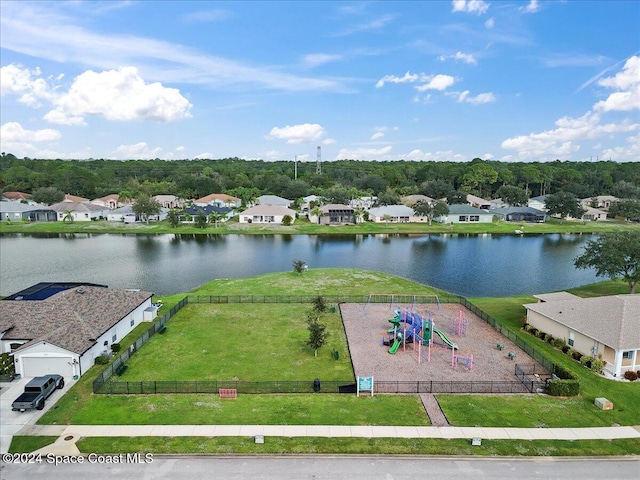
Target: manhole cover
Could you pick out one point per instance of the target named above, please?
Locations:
(68, 437)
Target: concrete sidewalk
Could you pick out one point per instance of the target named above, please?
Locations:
(69, 434)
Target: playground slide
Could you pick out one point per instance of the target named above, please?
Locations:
(395, 346)
(445, 339)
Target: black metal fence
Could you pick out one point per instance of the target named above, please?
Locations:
(310, 386)
(528, 381)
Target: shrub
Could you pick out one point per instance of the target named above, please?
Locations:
(563, 388)
(540, 334)
(638, 373)
(570, 352)
(7, 367)
(287, 220)
(527, 327)
(564, 373)
(576, 356)
(115, 347)
(534, 331)
(559, 343)
(597, 365)
(630, 375)
(102, 360)
(565, 349)
(585, 359)
(550, 340)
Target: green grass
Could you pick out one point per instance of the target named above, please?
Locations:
(371, 446)
(208, 409)
(28, 444)
(241, 342)
(303, 227)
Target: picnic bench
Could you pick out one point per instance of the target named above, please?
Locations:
(228, 393)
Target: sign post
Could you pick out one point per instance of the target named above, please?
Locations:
(365, 384)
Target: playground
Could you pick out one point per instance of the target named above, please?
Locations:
(482, 354)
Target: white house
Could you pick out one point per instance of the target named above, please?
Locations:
(393, 213)
(79, 211)
(607, 326)
(16, 212)
(122, 214)
(305, 207)
(169, 201)
(539, 203)
(62, 328)
(593, 214)
(273, 200)
(459, 213)
(478, 202)
(266, 214)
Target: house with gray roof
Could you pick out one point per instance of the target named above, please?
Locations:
(606, 327)
(17, 212)
(520, 214)
(266, 214)
(336, 214)
(273, 200)
(392, 213)
(459, 213)
(79, 211)
(61, 329)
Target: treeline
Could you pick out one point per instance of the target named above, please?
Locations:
(250, 178)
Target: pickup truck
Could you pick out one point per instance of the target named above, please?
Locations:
(36, 392)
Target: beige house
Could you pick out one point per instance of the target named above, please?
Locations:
(220, 200)
(266, 214)
(609, 326)
(111, 201)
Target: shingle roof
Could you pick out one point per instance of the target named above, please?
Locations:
(69, 319)
(334, 207)
(76, 207)
(458, 208)
(393, 210)
(612, 320)
(268, 210)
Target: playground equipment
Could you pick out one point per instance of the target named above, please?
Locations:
(459, 324)
(467, 362)
(401, 299)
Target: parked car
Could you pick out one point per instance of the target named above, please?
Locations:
(36, 392)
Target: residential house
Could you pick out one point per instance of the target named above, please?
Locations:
(75, 199)
(16, 196)
(539, 203)
(593, 214)
(62, 328)
(266, 214)
(308, 201)
(478, 202)
(333, 214)
(364, 203)
(520, 214)
(188, 215)
(393, 214)
(17, 212)
(123, 214)
(602, 202)
(273, 200)
(459, 213)
(220, 200)
(600, 326)
(110, 202)
(498, 203)
(79, 212)
(169, 201)
(411, 200)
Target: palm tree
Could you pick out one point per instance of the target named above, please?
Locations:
(67, 216)
(316, 212)
(214, 217)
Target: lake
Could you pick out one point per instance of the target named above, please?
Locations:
(468, 265)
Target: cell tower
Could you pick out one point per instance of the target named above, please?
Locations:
(318, 161)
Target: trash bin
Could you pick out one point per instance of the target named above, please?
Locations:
(316, 385)
(332, 309)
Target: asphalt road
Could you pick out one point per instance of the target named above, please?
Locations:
(333, 468)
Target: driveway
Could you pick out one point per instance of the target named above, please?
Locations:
(11, 422)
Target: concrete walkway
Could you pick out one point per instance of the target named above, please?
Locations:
(69, 434)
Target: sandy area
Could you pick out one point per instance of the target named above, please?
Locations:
(367, 325)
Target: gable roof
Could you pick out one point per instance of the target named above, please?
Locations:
(76, 207)
(223, 197)
(458, 208)
(269, 210)
(332, 207)
(273, 200)
(411, 200)
(207, 209)
(613, 320)
(106, 198)
(8, 207)
(74, 198)
(16, 195)
(474, 200)
(393, 210)
(72, 319)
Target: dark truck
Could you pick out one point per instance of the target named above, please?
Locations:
(36, 392)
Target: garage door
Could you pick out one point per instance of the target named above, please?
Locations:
(38, 366)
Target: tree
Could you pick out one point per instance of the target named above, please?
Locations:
(214, 217)
(514, 196)
(47, 195)
(317, 332)
(174, 218)
(430, 209)
(388, 197)
(299, 266)
(563, 204)
(67, 216)
(287, 220)
(627, 209)
(614, 255)
(479, 177)
(145, 206)
(200, 220)
(319, 304)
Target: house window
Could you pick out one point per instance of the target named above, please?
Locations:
(462, 218)
(132, 322)
(628, 355)
(113, 339)
(571, 339)
(474, 218)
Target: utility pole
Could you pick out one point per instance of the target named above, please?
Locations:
(318, 160)
(295, 167)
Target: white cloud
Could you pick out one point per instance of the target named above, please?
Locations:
(490, 23)
(437, 82)
(274, 155)
(137, 151)
(207, 16)
(532, 7)
(407, 78)
(377, 135)
(439, 156)
(119, 95)
(59, 118)
(463, 57)
(329, 141)
(180, 148)
(203, 156)
(470, 6)
(14, 79)
(481, 98)
(363, 153)
(559, 142)
(316, 59)
(296, 134)
(627, 82)
(15, 139)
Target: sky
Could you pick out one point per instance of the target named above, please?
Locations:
(514, 81)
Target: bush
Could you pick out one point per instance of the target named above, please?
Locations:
(115, 347)
(597, 365)
(563, 388)
(570, 352)
(585, 359)
(534, 332)
(102, 360)
(527, 327)
(630, 375)
(576, 356)
(638, 373)
(547, 338)
(565, 349)
(7, 367)
(559, 343)
(550, 340)
(563, 373)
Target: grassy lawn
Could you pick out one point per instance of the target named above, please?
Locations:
(208, 409)
(27, 444)
(303, 227)
(371, 446)
(244, 342)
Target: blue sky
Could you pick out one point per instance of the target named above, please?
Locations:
(434, 80)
